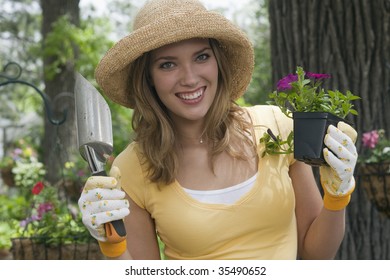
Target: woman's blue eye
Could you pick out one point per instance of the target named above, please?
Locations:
(203, 57)
(166, 65)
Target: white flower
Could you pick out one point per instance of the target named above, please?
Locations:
(386, 150)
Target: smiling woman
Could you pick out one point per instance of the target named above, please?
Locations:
(194, 176)
(185, 73)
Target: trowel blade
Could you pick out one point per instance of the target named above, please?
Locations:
(94, 126)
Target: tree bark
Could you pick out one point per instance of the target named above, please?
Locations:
(350, 39)
(59, 141)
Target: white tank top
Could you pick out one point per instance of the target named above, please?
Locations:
(223, 196)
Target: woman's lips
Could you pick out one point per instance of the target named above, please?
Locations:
(191, 97)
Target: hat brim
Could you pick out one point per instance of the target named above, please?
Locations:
(112, 73)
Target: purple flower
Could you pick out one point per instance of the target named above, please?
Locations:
(16, 153)
(25, 222)
(316, 76)
(284, 84)
(370, 139)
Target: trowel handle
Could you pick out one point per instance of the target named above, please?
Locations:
(115, 230)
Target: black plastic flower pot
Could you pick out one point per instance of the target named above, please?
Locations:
(309, 132)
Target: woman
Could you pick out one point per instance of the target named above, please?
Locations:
(193, 175)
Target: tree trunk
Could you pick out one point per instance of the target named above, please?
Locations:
(349, 39)
(59, 141)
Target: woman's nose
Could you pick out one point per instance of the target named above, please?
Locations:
(189, 76)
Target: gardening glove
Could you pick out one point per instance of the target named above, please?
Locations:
(340, 153)
(102, 201)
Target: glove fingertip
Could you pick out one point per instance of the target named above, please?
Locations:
(115, 172)
(325, 152)
(347, 129)
(123, 212)
(330, 128)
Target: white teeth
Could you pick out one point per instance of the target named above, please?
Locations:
(190, 96)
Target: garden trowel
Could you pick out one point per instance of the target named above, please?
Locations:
(95, 141)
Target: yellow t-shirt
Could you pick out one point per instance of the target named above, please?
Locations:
(260, 225)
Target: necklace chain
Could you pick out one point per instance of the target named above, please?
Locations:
(201, 141)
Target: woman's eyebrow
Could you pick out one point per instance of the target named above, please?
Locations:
(202, 50)
(164, 58)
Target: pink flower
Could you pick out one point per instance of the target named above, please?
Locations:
(285, 83)
(370, 139)
(315, 76)
(43, 208)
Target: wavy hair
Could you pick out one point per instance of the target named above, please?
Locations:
(155, 133)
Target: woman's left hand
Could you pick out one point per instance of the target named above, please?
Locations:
(340, 153)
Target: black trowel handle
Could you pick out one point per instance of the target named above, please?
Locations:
(115, 230)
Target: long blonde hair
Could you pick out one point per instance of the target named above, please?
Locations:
(154, 129)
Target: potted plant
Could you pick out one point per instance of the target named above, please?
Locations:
(51, 229)
(301, 96)
(6, 232)
(22, 152)
(374, 169)
(11, 209)
(44, 226)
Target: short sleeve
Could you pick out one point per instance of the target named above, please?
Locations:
(132, 175)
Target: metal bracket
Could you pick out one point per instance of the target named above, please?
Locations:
(14, 79)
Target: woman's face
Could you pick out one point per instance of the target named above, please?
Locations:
(185, 76)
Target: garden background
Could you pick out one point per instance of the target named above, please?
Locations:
(44, 42)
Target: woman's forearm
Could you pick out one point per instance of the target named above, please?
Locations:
(325, 235)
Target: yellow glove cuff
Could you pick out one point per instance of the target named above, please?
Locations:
(113, 250)
(335, 203)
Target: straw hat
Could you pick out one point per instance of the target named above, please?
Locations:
(161, 22)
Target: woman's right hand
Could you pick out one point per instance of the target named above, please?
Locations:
(102, 201)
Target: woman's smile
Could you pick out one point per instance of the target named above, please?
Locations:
(193, 97)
